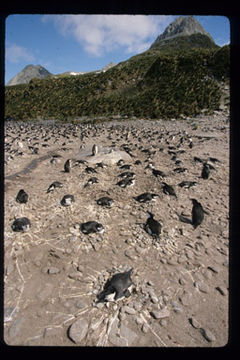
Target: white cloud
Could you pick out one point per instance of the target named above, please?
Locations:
(16, 53)
(99, 34)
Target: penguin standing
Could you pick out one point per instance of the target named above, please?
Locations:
(205, 171)
(152, 226)
(67, 166)
(197, 213)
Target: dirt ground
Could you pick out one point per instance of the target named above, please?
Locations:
(53, 272)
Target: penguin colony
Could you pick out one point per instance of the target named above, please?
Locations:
(120, 283)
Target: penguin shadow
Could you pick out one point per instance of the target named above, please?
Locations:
(184, 219)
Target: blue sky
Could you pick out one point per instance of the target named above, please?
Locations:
(88, 42)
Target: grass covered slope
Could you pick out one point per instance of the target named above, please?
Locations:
(157, 83)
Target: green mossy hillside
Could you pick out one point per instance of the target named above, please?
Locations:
(153, 84)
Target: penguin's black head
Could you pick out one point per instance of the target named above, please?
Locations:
(194, 201)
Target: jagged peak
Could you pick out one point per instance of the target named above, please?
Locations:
(181, 26)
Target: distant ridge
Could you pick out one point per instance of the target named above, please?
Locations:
(28, 73)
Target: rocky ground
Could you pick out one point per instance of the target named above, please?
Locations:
(53, 272)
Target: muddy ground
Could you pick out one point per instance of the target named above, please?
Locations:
(53, 272)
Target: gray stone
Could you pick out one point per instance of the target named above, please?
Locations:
(78, 330)
(163, 322)
(200, 285)
(159, 314)
(144, 328)
(80, 304)
(106, 155)
(122, 336)
(208, 335)
(16, 327)
(194, 323)
(53, 270)
(128, 310)
(223, 291)
(214, 269)
(176, 307)
(128, 334)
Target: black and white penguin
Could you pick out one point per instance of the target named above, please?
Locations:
(158, 173)
(127, 182)
(67, 166)
(118, 286)
(67, 200)
(126, 167)
(205, 171)
(94, 150)
(212, 159)
(89, 170)
(179, 170)
(127, 175)
(120, 162)
(146, 197)
(168, 189)
(197, 159)
(197, 213)
(187, 184)
(105, 201)
(152, 226)
(22, 197)
(138, 162)
(90, 227)
(21, 224)
(54, 185)
(92, 180)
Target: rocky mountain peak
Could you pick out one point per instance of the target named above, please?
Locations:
(28, 73)
(182, 26)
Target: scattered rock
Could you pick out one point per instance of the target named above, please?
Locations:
(16, 327)
(223, 291)
(144, 328)
(53, 270)
(78, 330)
(159, 314)
(208, 335)
(194, 323)
(200, 285)
(128, 310)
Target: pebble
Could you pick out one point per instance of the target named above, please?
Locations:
(159, 314)
(223, 291)
(129, 310)
(53, 270)
(16, 327)
(208, 335)
(201, 286)
(80, 304)
(139, 321)
(194, 323)
(137, 305)
(214, 269)
(144, 328)
(78, 330)
(163, 322)
(176, 307)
